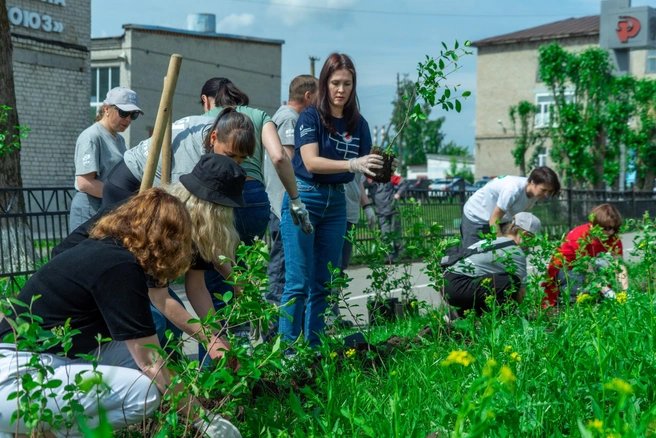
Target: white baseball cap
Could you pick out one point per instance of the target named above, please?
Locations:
(124, 98)
(527, 222)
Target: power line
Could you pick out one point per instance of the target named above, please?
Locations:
(202, 61)
(413, 14)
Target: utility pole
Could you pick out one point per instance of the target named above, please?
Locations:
(399, 94)
(312, 59)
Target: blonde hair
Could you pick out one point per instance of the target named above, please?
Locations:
(213, 231)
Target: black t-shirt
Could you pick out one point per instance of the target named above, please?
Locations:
(81, 233)
(100, 286)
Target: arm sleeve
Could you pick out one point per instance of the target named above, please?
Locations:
(87, 155)
(365, 139)
(135, 158)
(286, 131)
(122, 297)
(507, 198)
(307, 129)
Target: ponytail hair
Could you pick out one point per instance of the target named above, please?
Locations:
(224, 93)
(233, 129)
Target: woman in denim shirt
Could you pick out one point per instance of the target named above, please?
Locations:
(332, 141)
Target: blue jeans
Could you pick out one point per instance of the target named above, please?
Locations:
(307, 257)
(162, 324)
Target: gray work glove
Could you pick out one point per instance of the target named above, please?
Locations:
(300, 215)
(395, 164)
(366, 164)
(371, 217)
(217, 427)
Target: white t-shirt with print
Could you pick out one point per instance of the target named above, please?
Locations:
(506, 192)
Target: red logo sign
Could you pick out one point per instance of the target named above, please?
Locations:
(627, 27)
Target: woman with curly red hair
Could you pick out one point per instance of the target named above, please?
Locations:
(98, 289)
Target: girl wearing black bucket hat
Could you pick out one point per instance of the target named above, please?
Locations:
(209, 193)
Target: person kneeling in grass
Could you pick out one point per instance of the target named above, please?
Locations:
(596, 244)
(495, 272)
(98, 289)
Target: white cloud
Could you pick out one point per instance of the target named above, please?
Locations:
(298, 11)
(235, 23)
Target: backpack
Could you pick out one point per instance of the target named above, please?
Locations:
(456, 253)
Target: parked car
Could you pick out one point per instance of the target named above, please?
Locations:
(439, 186)
(482, 182)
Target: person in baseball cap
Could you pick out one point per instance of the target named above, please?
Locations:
(494, 268)
(124, 99)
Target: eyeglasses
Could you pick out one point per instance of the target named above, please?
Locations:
(125, 114)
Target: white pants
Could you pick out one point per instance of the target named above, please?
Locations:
(126, 395)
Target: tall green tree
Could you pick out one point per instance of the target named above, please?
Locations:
(527, 136)
(582, 85)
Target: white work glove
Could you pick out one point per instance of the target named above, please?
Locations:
(217, 427)
(609, 294)
(395, 164)
(300, 215)
(365, 164)
(371, 217)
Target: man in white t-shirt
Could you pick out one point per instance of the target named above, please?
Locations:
(302, 90)
(502, 198)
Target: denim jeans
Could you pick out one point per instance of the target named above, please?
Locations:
(276, 267)
(307, 257)
(251, 222)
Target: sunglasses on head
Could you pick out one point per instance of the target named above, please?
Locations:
(125, 114)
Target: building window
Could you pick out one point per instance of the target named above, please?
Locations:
(103, 79)
(541, 156)
(545, 102)
(651, 61)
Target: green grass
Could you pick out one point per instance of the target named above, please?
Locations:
(532, 374)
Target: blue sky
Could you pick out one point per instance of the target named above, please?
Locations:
(382, 36)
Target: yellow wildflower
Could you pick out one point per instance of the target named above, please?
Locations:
(583, 298)
(489, 367)
(506, 375)
(393, 372)
(620, 386)
(613, 435)
(489, 300)
(516, 357)
(621, 298)
(486, 281)
(508, 349)
(466, 312)
(642, 244)
(333, 354)
(596, 424)
(463, 358)
(350, 352)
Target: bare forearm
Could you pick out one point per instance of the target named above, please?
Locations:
(623, 278)
(197, 293)
(325, 166)
(93, 187)
(285, 172)
(176, 313)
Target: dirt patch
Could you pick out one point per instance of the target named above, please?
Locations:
(383, 175)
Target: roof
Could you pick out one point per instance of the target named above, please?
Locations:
(195, 34)
(572, 27)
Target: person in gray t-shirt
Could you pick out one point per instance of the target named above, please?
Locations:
(98, 149)
(301, 93)
(499, 273)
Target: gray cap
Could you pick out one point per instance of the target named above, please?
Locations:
(123, 98)
(527, 222)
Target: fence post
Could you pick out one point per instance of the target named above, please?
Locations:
(569, 203)
(634, 201)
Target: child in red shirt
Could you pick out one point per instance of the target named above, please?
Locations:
(580, 243)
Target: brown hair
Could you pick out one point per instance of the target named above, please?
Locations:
(544, 175)
(99, 114)
(224, 93)
(234, 129)
(155, 227)
(337, 61)
(301, 85)
(607, 217)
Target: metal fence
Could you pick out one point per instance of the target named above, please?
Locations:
(27, 235)
(29, 232)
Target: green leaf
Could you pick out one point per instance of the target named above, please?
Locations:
(458, 106)
(466, 94)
